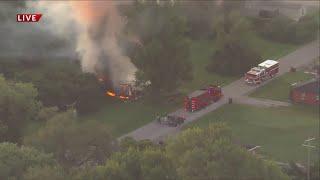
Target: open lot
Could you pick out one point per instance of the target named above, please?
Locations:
(125, 117)
(270, 49)
(279, 131)
(279, 88)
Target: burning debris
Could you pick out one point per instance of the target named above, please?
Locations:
(124, 92)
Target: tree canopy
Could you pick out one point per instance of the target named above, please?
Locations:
(233, 55)
(210, 154)
(18, 105)
(73, 143)
(16, 161)
(163, 59)
(195, 154)
(59, 83)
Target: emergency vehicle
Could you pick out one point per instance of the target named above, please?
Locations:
(202, 98)
(265, 70)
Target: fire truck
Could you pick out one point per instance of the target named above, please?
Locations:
(264, 71)
(202, 98)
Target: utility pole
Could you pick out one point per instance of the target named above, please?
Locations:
(308, 145)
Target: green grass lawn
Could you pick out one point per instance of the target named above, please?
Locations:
(270, 49)
(279, 131)
(279, 88)
(124, 117)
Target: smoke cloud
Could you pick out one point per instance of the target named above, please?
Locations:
(98, 41)
(90, 30)
(30, 40)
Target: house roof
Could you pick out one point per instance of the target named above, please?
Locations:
(311, 86)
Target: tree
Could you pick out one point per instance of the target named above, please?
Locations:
(156, 165)
(198, 15)
(59, 83)
(195, 154)
(128, 142)
(210, 154)
(15, 160)
(18, 105)
(233, 59)
(46, 113)
(45, 172)
(73, 143)
(234, 55)
(133, 164)
(163, 60)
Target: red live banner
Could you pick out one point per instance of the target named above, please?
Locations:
(28, 17)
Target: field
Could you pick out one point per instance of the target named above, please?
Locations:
(125, 117)
(279, 88)
(270, 49)
(279, 131)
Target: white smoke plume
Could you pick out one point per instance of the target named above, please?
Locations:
(96, 27)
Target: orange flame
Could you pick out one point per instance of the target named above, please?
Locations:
(111, 93)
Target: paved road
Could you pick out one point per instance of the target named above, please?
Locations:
(237, 89)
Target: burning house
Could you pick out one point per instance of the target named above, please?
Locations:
(124, 91)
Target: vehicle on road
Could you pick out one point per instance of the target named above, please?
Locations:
(202, 98)
(170, 120)
(265, 70)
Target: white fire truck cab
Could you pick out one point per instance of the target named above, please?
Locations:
(264, 71)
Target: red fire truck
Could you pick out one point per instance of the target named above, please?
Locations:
(264, 71)
(202, 98)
